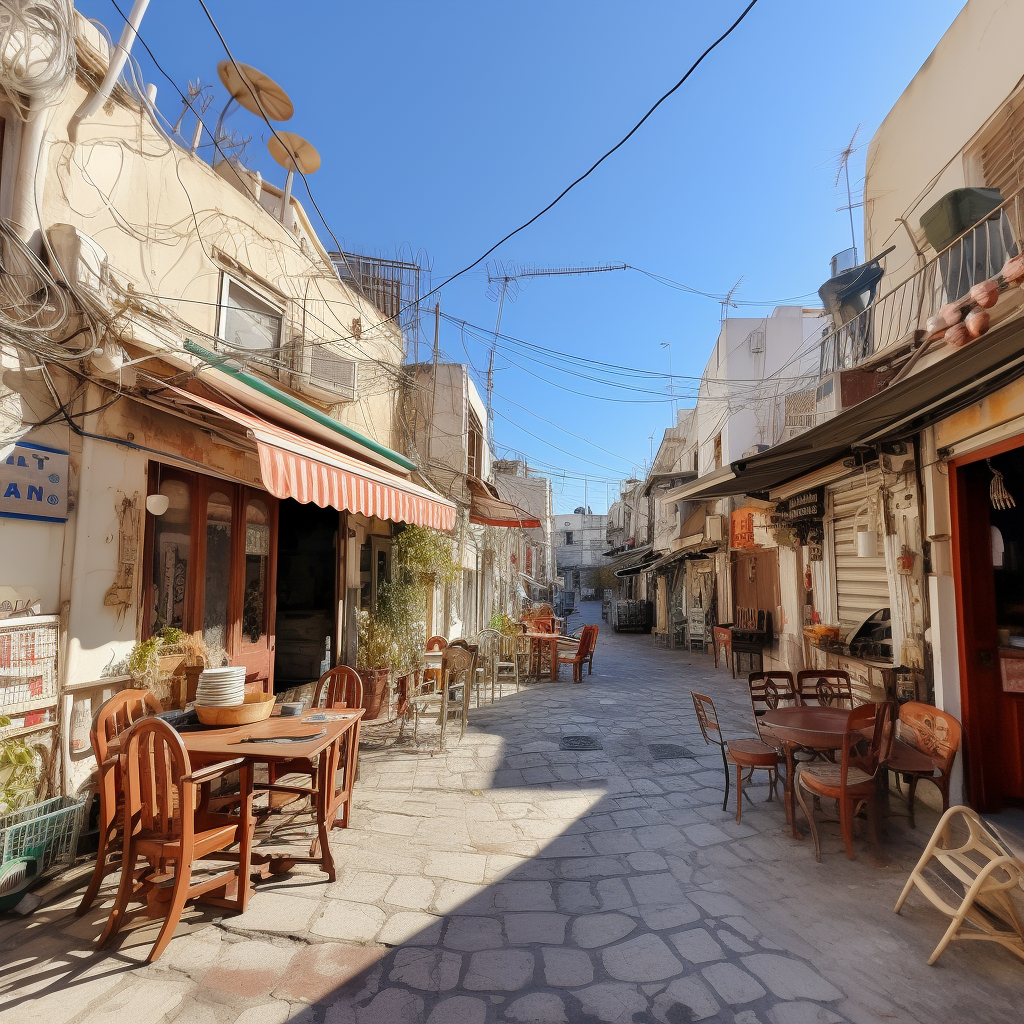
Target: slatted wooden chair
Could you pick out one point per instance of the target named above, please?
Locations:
(853, 783)
(981, 875)
(750, 754)
(768, 691)
(458, 676)
(925, 730)
(825, 687)
(337, 686)
(113, 718)
(167, 822)
(578, 655)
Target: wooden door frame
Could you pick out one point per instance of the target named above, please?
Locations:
(982, 789)
(245, 494)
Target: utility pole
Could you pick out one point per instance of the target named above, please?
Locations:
(671, 381)
(490, 365)
(433, 396)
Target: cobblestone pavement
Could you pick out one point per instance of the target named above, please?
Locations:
(511, 881)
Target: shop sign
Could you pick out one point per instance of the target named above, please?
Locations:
(33, 482)
(743, 526)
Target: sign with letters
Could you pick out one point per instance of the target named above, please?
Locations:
(33, 482)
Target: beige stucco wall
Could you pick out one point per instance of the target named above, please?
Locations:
(917, 154)
(163, 216)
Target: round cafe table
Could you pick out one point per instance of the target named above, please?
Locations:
(807, 727)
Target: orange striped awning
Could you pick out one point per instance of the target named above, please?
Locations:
(293, 466)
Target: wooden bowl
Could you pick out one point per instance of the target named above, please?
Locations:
(256, 708)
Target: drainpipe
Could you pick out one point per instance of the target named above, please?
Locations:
(27, 186)
(117, 63)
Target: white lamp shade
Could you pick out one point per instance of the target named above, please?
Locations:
(157, 504)
(867, 544)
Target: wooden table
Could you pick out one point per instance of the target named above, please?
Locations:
(551, 639)
(808, 728)
(337, 747)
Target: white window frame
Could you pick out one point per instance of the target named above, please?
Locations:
(226, 281)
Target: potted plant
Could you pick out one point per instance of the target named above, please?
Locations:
(393, 637)
(168, 664)
(21, 772)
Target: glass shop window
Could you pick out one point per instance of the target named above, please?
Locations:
(172, 538)
(257, 565)
(218, 576)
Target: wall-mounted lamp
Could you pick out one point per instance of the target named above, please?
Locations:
(867, 535)
(157, 504)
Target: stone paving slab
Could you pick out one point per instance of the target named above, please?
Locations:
(509, 881)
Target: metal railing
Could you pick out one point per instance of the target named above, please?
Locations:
(976, 256)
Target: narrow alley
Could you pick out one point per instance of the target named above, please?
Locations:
(509, 880)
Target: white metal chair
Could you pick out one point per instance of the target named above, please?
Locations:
(981, 874)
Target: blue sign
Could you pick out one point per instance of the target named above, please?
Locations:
(33, 482)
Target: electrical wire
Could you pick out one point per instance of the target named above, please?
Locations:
(522, 227)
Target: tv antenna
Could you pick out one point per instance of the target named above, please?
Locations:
(504, 279)
(843, 171)
(727, 302)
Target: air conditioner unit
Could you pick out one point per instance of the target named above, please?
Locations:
(714, 528)
(754, 449)
(327, 375)
(791, 431)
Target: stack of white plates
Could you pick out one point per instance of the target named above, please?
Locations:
(221, 687)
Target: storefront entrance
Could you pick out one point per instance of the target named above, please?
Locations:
(209, 567)
(988, 571)
(307, 588)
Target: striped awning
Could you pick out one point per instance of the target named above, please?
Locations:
(488, 509)
(293, 466)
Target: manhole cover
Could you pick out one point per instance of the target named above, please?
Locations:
(666, 751)
(579, 743)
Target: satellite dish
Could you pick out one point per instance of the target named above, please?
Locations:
(246, 85)
(294, 153)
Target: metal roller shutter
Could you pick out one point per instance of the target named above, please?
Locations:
(862, 584)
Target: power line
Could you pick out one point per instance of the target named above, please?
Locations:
(561, 195)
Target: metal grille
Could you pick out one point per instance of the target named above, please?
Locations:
(28, 668)
(579, 743)
(862, 585)
(333, 373)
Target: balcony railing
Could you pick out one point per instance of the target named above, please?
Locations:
(976, 256)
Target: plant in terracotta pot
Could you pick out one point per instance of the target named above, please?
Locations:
(168, 664)
(393, 637)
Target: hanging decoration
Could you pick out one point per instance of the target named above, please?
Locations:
(119, 595)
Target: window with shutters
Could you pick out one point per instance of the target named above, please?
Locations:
(999, 155)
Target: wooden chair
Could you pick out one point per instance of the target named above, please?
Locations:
(768, 691)
(982, 873)
(339, 685)
(577, 654)
(826, 687)
(854, 781)
(923, 729)
(458, 675)
(113, 717)
(167, 820)
(437, 643)
(750, 754)
(488, 644)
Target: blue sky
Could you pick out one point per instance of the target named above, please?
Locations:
(443, 125)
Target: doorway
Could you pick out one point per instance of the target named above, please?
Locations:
(988, 570)
(307, 603)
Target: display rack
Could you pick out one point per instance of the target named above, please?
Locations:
(28, 673)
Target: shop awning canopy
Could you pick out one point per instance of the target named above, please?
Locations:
(487, 509)
(633, 563)
(293, 466)
(963, 377)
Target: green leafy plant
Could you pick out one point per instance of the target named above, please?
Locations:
(144, 660)
(394, 634)
(20, 772)
(504, 624)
